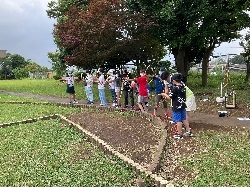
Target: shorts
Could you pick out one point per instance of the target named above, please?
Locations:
(158, 98)
(178, 116)
(191, 104)
(70, 90)
(142, 99)
(117, 89)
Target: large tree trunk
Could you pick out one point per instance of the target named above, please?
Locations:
(181, 61)
(137, 64)
(205, 62)
(248, 71)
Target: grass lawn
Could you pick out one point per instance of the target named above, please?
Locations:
(46, 153)
(49, 87)
(223, 159)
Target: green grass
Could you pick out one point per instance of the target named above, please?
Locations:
(224, 161)
(213, 85)
(46, 153)
(16, 112)
(48, 87)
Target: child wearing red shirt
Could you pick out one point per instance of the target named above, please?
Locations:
(142, 82)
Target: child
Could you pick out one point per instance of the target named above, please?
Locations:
(117, 82)
(161, 87)
(143, 91)
(178, 97)
(126, 88)
(70, 81)
(101, 87)
(88, 87)
(110, 81)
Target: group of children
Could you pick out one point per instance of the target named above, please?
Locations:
(171, 87)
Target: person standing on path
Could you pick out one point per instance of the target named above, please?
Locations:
(142, 82)
(101, 87)
(111, 81)
(117, 82)
(70, 81)
(178, 97)
(126, 88)
(160, 87)
(88, 87)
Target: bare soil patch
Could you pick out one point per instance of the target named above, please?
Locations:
(134, 136)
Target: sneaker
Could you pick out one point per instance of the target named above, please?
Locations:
(75, 102)
(178, 136)
(88, 102)
(188, 133)
(91, 102)
(113, 104)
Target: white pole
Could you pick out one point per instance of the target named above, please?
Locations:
(221, 89)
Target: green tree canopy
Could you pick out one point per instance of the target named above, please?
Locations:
(192, 29)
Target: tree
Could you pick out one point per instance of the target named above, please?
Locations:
(238, 59)
(192, 29)
(20, 73)
(103, 34)
(57, 65)
(16, 66)
(33, 67)
(9, 63)
(245, 43)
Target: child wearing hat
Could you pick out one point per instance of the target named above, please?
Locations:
(70, 81)
(178, 97)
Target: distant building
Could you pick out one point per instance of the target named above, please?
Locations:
(2, 53)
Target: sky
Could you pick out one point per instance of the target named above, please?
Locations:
(25, 29)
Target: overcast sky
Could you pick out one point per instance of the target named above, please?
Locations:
(26, 30)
